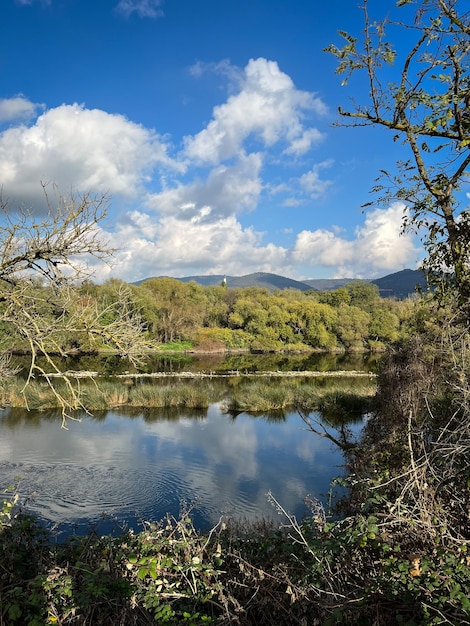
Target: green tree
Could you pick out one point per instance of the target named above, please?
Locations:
(312, 323)
(335, 297)
(352, 326)
(384, 325)
(175, 310)
(363, 294)
(216, 307)
(422, 96)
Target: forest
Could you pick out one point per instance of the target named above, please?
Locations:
(171, 314)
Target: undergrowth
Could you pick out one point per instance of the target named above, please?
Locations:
(359, 570)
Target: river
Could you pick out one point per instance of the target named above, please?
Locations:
(118, 469)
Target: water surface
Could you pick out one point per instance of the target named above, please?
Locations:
(119, 469)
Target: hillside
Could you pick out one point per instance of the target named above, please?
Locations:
(401, 284)
(397, 285)
(258, 279)
(327, 284)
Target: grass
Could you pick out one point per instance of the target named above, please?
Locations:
(250, 395)
(340, 395)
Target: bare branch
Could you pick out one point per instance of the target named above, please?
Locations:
(41, 307)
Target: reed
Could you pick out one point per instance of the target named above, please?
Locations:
(189, 395)
(255, 395)
(311, 395)
(105, 395)
(144, 395)
(36, 396)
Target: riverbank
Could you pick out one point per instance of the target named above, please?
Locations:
(310, 572)
(215, 374)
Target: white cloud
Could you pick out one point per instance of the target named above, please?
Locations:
(179, 247)
(143, 8)
(185, 210)
(221, 68)
(377, 246)
(17, 108)
(267, 107)
(227, 190)
(311, 182)
(304, 142)
(148, 247)
(79, 148)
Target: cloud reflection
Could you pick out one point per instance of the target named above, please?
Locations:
(136, 468)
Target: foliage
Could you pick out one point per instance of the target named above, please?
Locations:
(422, 96)
(252, 395)
(216, 318)
(347, 395)
(363, 569)
(215, 339)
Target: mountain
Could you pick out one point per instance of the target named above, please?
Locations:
(401, 284)
(268, 281)
(327, 284)
(258, 279)
(398, 285)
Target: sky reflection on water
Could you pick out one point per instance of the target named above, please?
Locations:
(137, 468)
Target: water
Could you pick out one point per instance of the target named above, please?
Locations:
(120, 469)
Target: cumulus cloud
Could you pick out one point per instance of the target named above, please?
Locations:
(312, 183)
(149, 247)
(227, 190)
(82, 149)
(181, 205)
(377, 246)
(143, 8)
(267, 107)
(221, 68)
(17, 108)
(178, 247)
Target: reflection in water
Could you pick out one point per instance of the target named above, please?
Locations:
(137, 466)
(245, 362)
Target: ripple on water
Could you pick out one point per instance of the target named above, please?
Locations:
(61, 493)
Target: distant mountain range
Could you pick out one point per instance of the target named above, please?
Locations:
(398, 285)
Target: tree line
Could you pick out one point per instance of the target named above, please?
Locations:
(212, 318)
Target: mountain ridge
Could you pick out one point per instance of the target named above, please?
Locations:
(397, 285)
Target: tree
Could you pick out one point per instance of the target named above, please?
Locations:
(175, 309)
(419, 430)
(363, 294)
(41, 260)
(423, 98)
(352, 326)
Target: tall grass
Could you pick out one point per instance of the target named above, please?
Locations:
(250, 395)
(343, 395)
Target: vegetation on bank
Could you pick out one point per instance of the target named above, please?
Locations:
(354, 317)
(237, 393)
(379, 564)
(180, 316)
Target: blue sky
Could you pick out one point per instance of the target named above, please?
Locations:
(208, 124)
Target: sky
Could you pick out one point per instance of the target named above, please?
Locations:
(209, 126)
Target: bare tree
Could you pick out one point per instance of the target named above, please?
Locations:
(41, 260)
(422, 95)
